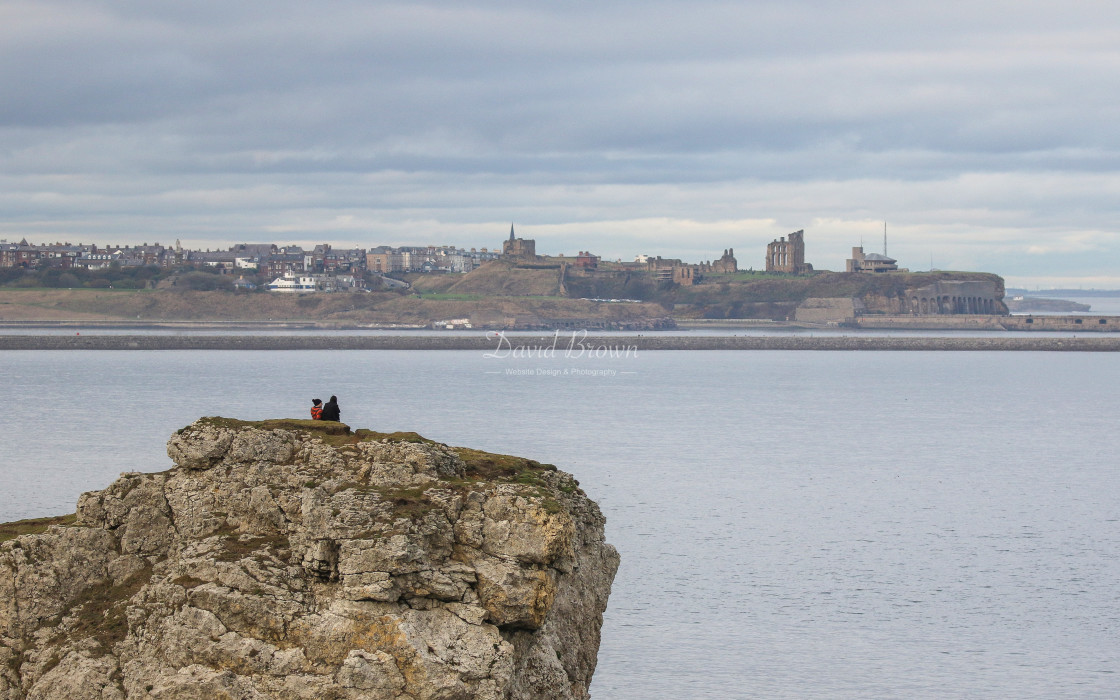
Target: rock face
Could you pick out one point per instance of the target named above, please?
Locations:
(295, 559)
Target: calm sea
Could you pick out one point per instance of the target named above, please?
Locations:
(792, 525)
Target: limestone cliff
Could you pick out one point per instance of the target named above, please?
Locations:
(295, 559)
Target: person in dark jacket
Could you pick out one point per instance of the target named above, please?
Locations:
(330, 410)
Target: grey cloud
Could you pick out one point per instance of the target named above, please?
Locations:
(138, 114)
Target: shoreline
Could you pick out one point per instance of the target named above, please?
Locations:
(531, 346)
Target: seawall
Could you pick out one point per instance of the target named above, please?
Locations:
(525, 345)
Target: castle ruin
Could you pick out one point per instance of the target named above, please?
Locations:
(725, 265)
(686, 274)
(788, 256)
(673, 270)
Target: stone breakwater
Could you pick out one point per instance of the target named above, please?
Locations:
(591, 346)
(297, 560)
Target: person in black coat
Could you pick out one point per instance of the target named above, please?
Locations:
(330, 410)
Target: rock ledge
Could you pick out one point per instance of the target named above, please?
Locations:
(296, 559)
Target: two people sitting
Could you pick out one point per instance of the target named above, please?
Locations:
(327, 411)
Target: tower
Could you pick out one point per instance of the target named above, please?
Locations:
(519, 247)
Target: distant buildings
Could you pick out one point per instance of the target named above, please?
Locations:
(586, 260)
(68, 256)
(870, 262)
(387, 260)
(315, 283)
(673, 270)
(290, 266)
(725, 265)
(788, 256)
(302, 283)
(267, 259)
(525, 248)
(679, 272)
(223, 259)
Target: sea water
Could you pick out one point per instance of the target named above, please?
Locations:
(791, 524)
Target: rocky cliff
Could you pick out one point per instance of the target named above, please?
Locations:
(295, 559)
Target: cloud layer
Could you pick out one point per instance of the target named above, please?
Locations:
(983, 133)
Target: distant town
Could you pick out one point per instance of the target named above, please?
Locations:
(290, 267)
(323, 268)
(507, 287)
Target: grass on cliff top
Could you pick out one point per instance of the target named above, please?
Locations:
(33, 526)
(331, 432)
(307, 426)
(496, 467)
(488, 466)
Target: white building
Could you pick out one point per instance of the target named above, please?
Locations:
(315, 283)
(302, 284)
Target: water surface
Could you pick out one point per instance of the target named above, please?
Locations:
(792, 525)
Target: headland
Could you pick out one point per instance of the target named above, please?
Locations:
(299, 559)
(542, 293)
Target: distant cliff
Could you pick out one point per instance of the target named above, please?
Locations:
(1026, 304)
(778, 296)
(295, 559)
(508, 295)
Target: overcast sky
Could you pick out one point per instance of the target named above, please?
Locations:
(985, 134)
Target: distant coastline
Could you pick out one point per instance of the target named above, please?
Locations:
(1024, 304)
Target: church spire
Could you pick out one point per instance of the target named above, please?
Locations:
(511, 231)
